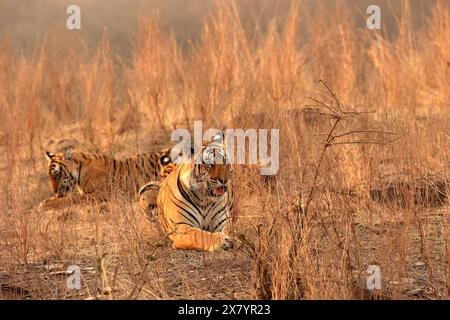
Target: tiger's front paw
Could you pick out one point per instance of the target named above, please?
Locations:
(224, 242)
(227, 244)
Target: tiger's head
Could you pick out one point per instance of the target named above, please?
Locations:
(60, 172)
(214, 166)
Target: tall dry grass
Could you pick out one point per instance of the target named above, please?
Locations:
(311, 231)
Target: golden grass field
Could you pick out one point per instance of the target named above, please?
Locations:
(364, 155)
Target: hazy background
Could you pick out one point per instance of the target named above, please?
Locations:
(24, 22)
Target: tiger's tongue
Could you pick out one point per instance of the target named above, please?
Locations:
(219, 191)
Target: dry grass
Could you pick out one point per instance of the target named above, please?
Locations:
(342, 200)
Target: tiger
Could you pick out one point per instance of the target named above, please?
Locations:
(195, 199)
(75, 175)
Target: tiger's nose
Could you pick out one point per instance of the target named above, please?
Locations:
(223, 179)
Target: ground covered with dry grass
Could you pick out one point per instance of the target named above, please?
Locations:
(364, 158)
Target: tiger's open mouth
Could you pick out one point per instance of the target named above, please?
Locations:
(219, 191)
(216, 190)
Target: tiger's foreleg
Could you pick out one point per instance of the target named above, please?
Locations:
(191, 238)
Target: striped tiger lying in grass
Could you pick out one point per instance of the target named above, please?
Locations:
(75, 175)
(195, 200)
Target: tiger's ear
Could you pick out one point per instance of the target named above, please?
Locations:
(49, 155)
(218, 137)
(68, 153)
(165, 160)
